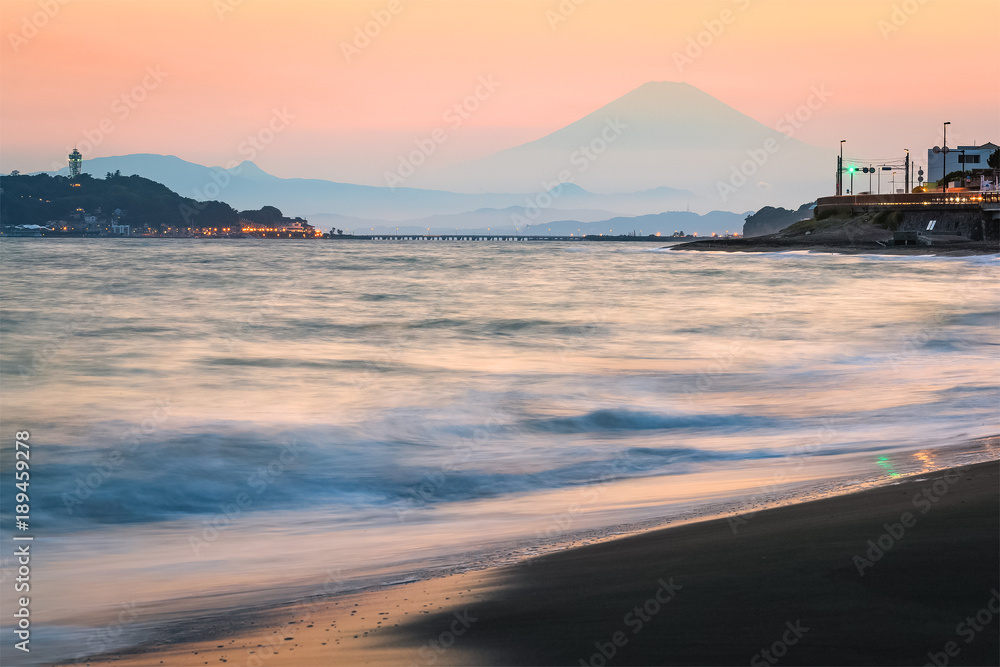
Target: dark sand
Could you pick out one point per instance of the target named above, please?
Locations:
(735, 594)
(739, 590)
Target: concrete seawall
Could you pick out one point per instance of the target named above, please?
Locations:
(972, 215)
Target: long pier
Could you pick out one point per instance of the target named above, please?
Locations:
(503, 237)
(453, 237)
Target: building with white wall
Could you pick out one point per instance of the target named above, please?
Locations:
(975, 157)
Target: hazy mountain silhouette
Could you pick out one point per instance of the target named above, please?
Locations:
(246, 186)
(663, 146)
(664, 223)
(660, 134)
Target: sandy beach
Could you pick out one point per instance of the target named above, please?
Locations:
(906, 573)
(489, 333)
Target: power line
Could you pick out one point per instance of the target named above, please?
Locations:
(894, 159)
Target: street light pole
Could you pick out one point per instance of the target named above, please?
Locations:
(906, 175)
(840, 170)
(944, 160)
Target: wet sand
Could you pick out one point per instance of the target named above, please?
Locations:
(906, 573)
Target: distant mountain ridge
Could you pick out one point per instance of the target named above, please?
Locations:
(247, 186)
(137, 201)
(663, 223)
(663, 146)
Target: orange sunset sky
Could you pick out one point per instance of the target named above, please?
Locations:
(894, 71)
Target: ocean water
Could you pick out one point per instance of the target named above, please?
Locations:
(214, 422)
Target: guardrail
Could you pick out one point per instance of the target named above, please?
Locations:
(963, 199)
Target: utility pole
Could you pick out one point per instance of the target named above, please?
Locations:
(944, 159)
(906, 177)
(840, 169)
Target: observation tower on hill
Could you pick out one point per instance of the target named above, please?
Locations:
(75, 163)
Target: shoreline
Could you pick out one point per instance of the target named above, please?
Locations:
(770, 244)
(322, 628)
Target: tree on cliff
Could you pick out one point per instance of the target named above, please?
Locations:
(769, 219)
(38, 198)
(266, 215)
(957, 176)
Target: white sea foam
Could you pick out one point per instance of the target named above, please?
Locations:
(202, 411)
